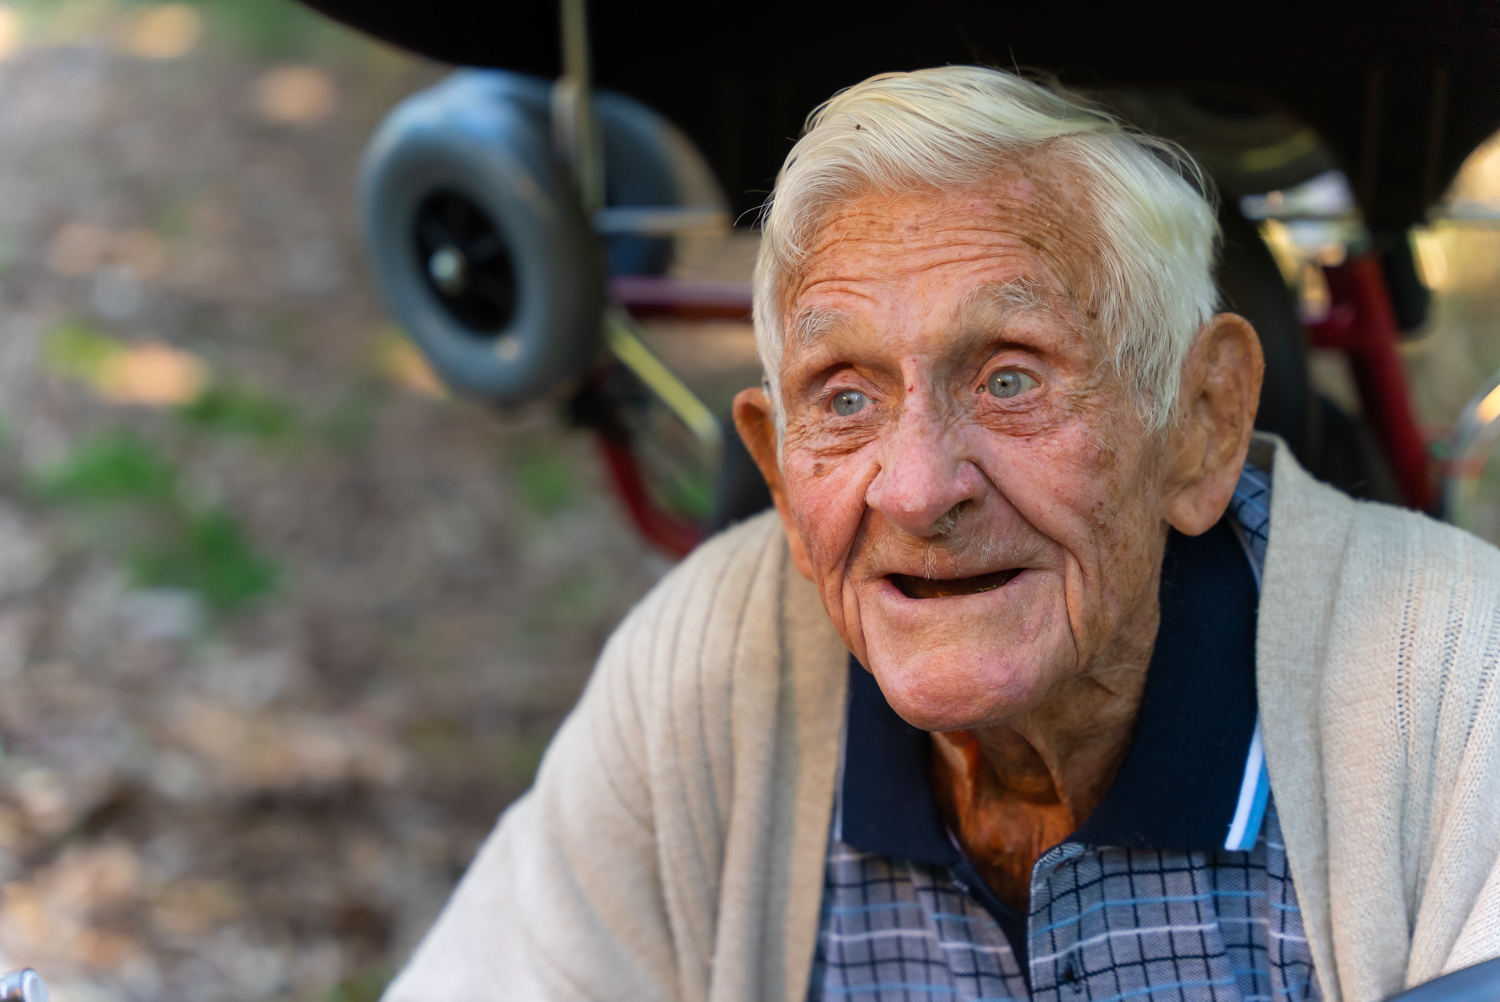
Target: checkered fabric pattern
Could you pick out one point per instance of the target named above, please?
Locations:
(1250, 511)
(1106, 923)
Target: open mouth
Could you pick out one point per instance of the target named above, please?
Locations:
(915, 587)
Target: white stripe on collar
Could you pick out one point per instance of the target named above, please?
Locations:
(1255, 787)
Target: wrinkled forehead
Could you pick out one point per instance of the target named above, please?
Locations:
(1019, 246)
(983, 309)
(1036, 226)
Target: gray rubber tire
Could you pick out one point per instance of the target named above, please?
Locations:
(484, 136)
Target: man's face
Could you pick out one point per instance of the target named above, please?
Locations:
(978, 499)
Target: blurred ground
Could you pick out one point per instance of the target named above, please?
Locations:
(281, 631)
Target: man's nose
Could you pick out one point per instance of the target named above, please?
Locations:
(924, 475)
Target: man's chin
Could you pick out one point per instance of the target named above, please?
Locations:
(941, 689)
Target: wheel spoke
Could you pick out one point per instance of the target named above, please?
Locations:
(432, 233)
(484, 248)
(491, 288)
(456, 215)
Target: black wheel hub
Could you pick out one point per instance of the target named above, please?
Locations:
(465, 262)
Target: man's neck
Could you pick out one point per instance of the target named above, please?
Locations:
(1011, 791)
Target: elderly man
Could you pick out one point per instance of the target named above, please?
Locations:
(1135, 708)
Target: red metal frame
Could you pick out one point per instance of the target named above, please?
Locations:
(1362, 324)
(649, 296)
(676, 536)
(652, 296)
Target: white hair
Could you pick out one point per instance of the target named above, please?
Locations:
(959, 127)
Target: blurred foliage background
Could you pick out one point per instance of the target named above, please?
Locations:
(283, 628)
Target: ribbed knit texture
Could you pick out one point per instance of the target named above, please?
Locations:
(674, 844)
(1377, 657)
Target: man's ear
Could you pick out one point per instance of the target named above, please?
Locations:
(1220, 392)
(757, 428)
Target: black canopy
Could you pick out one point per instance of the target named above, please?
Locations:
(1401, 92)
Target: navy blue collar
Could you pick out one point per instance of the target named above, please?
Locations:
(1180, 782)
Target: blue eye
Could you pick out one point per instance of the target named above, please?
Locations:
(849, 402)
(1009, 383)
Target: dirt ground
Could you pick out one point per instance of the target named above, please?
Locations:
(281, 630)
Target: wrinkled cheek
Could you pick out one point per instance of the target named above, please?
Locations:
(844, 609)
(827, 508)
(1086, 473)
(1085, 493)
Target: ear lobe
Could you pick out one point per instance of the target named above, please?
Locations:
(1220, 393)
(756, 423)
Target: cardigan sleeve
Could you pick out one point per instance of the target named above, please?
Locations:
(1409, 722)
(563, 900)
(1378, 666)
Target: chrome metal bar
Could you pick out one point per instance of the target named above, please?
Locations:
(25, 985)
(1474, 435)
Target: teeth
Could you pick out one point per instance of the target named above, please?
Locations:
(917, 587)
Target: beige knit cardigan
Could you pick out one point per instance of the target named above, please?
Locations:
(674, 843)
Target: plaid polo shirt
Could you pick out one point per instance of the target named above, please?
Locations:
(1175, 888)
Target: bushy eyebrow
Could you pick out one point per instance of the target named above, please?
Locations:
(1023, 294)
(809, 326)
(979, 313)
(973, 320)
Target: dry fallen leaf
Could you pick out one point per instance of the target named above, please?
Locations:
(294, 95)
(153, 374)
(400, 362)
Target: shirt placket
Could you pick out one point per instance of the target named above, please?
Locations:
(1052, 931)
(1115, 924)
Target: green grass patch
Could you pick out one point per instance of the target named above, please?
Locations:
(118, 467)
(211, 556)
(546, 482)
(78, 351)
(10, 248)
(128, 501)
(365, 986)
(522, 758)
(230, 410)
(173, 217)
